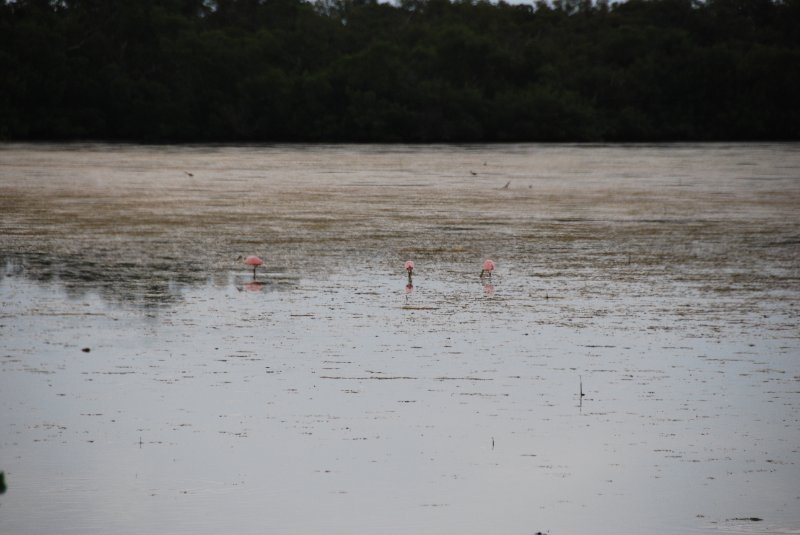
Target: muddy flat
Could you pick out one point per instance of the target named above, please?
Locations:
(632, 365)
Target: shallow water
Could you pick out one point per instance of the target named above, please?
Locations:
(147, 385)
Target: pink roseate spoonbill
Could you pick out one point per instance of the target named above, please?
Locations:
(409, 265)
(253, 261)
(488, 267)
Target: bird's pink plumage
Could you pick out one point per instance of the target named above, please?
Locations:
(253, 261)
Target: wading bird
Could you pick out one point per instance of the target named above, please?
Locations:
(488, 267)
(253, 261)
(409, 265)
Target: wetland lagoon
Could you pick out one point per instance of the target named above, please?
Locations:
(148, 384)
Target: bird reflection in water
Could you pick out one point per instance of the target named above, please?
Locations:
(254, 286)
(488, 289)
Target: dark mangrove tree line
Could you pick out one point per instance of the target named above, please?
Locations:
(417, 71)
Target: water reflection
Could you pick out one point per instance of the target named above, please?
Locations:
(274, 284)
(488, 289)
(255, 286)
(149, 284)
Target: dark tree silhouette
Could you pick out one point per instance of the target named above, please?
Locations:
(413, 71)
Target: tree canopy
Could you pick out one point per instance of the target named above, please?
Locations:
(413, 71)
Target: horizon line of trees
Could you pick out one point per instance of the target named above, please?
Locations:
(415, 71)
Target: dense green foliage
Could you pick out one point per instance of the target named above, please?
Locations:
(421, 70)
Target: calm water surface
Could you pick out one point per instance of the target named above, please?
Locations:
(149, 385)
